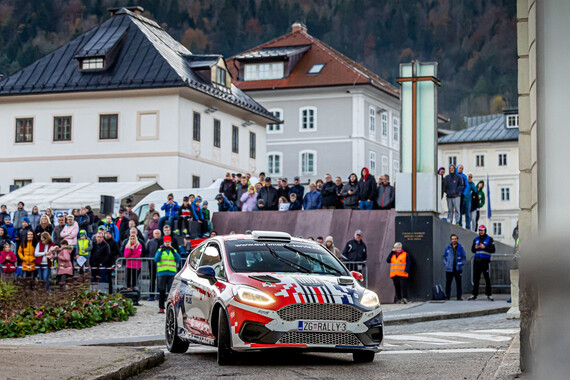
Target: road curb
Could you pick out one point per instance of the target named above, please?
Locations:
(146, 359)
(440, 317)
(510, 365)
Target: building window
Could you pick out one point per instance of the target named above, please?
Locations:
(502, 159)
(385, 168)
(61, 180)
(261, 71)
(308, 165)
(512, 121)
(217, 133)
(385, 125)
(92, 63)
(235, 139)
(221, 76)
(62, 128)
(372, 163)
(195, 182)
(25, 130)
(396, 128)
(252, 145)
(452, 160)
(316, 68)
(196, 127)
(22, 182)
(505, 194)
(109, 127)
(395, 169)
(372, 120)
(108, 179)
(308, 116)
(274, 162)
(498, 228)
(480, 160)
(275, 128)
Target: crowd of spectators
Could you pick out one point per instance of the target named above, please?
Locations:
(237, 193)
(464, 198)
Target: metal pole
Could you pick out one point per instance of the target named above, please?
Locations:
(414, 144)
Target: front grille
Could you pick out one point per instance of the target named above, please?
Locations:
(320, 312)
(322, 338)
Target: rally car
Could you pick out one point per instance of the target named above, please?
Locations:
(270, 291)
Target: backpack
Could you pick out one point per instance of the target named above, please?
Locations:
(438, 293)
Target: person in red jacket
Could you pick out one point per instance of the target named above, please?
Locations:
(133, 250)
(8, 261)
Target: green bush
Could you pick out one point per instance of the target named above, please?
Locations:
(7, 291)
(88, 309)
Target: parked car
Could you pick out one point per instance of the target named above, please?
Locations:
(270, 291)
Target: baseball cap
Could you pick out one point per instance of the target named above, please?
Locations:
(284, 179)
(358, 232)
(267, 179)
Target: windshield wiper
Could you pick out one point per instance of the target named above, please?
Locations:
(313, 259)
(290, 263)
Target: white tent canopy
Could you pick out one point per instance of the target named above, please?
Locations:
(74, 195)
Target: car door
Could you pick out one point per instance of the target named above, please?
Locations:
(206, 291)
(189, 313)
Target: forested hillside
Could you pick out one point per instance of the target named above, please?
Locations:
(474, 41)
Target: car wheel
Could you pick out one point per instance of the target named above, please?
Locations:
(225, 353)
(173, 341)
(363, 356)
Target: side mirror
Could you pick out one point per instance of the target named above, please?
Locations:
(357, 275)
(208, 273)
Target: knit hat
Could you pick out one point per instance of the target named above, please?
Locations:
(26, 219)
(329, 238)
(205, 203)
(82, 233)
(167, 238)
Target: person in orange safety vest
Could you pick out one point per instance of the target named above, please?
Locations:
(399, 261)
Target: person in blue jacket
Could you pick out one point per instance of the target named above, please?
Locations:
(111, 227)
(313, 199)
(224, 204)
(454, 258)
(170, 208)
(199, 217)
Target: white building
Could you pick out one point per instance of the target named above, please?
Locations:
(126, 102)
(338, 116)
(489, 147)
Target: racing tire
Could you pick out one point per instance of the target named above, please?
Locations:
(363, 356)
(226, 355)
(173, 342)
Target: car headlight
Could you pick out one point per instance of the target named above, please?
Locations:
(369, 299)
(253, 296)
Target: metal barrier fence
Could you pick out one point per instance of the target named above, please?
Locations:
(146, 280)
(499, 270)
(358, 266)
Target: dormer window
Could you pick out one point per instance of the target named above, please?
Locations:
(221, 75)
(512, 121)
(263, 71)
(96, 63)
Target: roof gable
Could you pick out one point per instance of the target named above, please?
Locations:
(338, 69)
(146, 57)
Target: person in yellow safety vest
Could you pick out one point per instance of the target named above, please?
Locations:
(166, 259)
(84, 247)
(399, 261)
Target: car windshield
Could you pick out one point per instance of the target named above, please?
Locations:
(293, 257)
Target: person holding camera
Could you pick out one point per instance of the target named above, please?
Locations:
(170, 208)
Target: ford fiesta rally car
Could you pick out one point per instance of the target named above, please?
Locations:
(270, 291)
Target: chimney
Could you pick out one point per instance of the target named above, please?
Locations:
(299, 27)
(135, 9)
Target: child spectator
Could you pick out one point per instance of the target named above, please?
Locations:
(184, 216)
(284, 204)
(84, 247)
(8, 261)
(249, 199)
(329, 244)
(133, 250)
(199, 217)
(295, 204)
(206, 213)
(10, 229)
(64, 263)
(26, 253)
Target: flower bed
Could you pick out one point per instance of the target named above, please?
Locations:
(75, 307)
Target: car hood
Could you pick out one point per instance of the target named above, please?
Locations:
(289, 289)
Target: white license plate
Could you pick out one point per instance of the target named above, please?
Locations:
(322, 326)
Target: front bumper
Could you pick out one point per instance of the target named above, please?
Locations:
(365, 334)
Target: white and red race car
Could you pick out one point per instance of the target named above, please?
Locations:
(270, 291)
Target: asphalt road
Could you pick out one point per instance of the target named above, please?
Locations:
(470, 348)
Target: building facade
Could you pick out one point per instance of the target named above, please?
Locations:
(337, 115)
(488, 148)
(126, 102)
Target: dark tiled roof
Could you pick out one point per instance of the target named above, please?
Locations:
(275, 52)
(494, 129)
(338, 70)
(147, 57)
